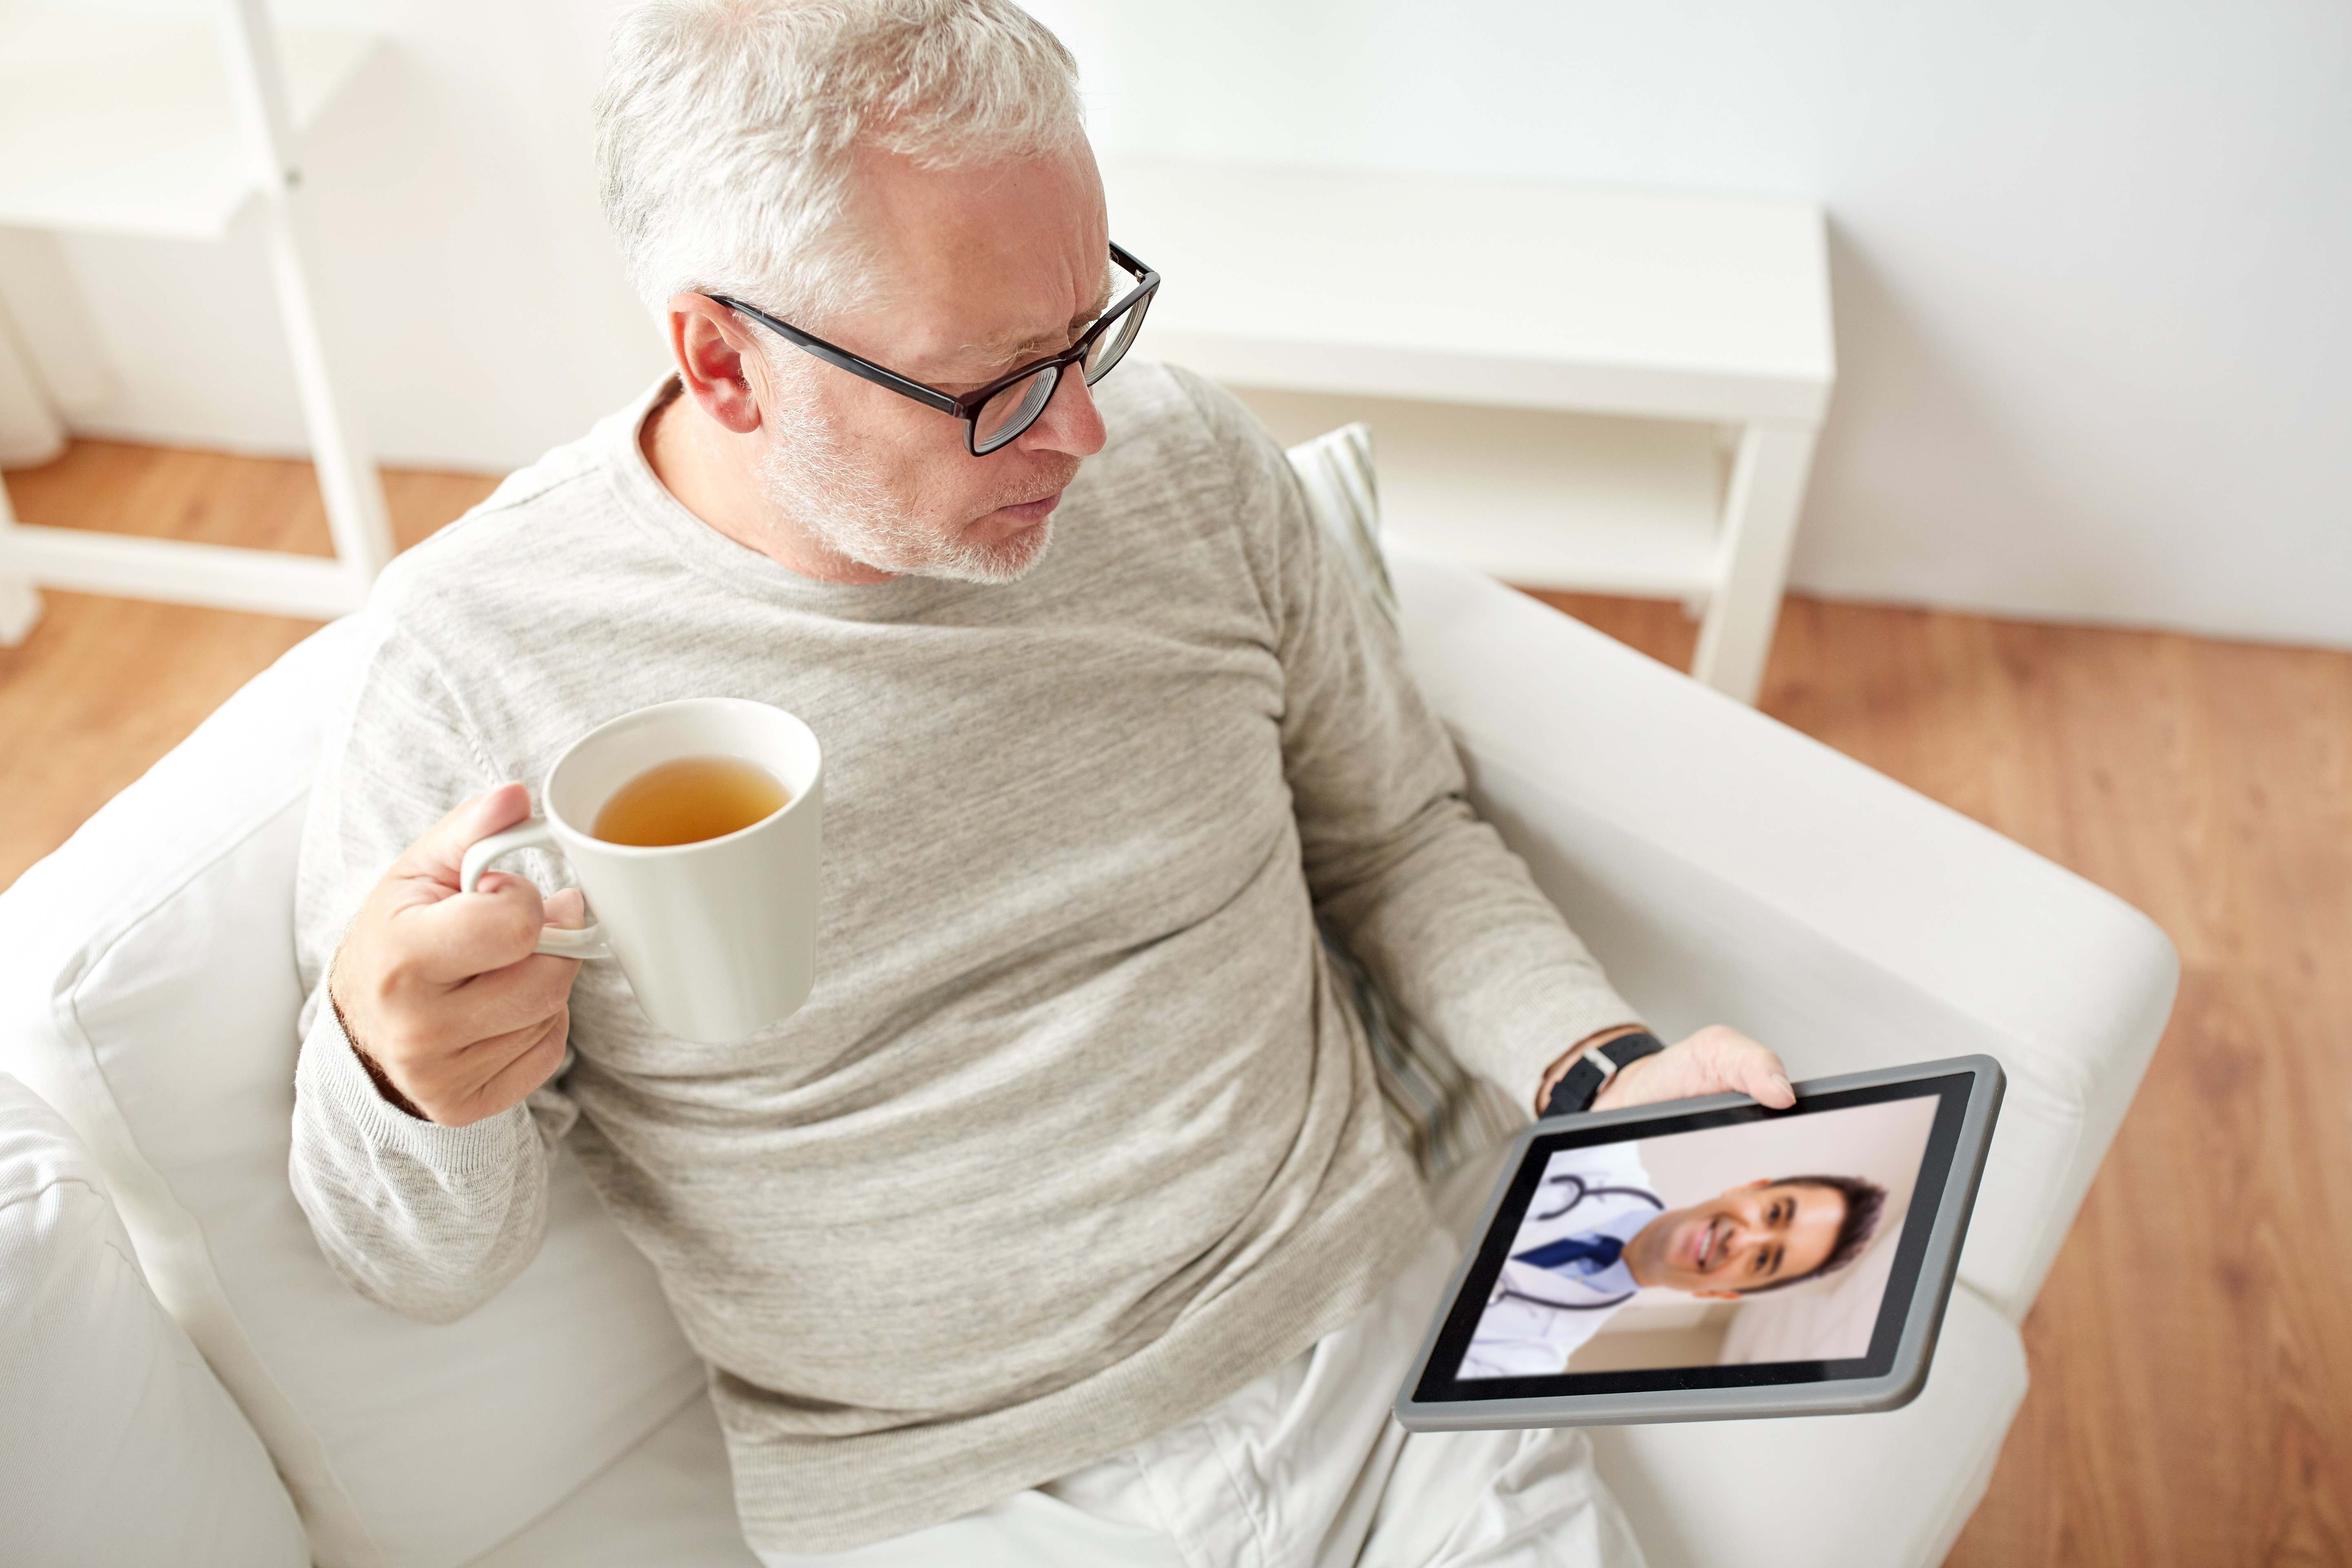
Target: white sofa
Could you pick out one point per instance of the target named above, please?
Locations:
(1722, 866)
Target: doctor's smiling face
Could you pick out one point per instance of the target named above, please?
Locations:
(1750, 1238)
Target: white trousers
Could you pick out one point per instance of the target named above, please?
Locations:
(1303, 1468)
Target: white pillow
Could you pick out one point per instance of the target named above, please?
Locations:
(117, 1444)
(148, 992)
(1335, 471)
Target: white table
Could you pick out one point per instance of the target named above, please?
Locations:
(1607, 390)
(167, 126)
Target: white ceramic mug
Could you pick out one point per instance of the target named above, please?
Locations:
(717, 938)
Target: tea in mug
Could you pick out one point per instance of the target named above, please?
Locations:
(688, 800)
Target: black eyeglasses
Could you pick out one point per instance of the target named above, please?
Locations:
(1006, 407)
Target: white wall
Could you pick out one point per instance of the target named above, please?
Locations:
(2090, 256)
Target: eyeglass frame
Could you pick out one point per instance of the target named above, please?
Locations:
(967, 407)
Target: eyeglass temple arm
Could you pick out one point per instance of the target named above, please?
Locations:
(842, 359)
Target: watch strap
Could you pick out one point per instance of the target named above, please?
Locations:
(1582, 1084)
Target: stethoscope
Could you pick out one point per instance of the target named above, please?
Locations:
(1582, 1190)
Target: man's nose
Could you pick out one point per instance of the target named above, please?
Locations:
(1070, 422)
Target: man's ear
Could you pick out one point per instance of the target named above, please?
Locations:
(716, 360)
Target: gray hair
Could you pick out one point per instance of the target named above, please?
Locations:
(726, 129)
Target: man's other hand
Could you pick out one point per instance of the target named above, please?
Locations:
(440, 992)
(1716, 1060)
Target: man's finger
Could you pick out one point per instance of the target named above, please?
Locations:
(1735, 1062)
(441, 851)
(416, 1020)
(452, 939)
(1762, 1079)
(519, 996)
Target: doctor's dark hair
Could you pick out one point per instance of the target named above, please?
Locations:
(1864, 1202)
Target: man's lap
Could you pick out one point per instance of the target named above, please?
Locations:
(1303, 1468)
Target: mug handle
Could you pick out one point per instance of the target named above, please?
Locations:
(534, 834)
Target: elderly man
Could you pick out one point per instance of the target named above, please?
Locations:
(1061, 1225)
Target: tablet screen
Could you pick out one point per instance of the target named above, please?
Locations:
(1714, 1249)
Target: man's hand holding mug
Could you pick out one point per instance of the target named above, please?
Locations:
(443, 993)
(453, 984)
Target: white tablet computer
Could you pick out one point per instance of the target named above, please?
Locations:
(1711, 1259)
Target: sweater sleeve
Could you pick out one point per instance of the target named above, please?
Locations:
(428, 1221)
(1403, 870)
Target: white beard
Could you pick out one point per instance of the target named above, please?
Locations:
(805, 474)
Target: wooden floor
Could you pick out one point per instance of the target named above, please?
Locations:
(104, 687)
(2192, 1353)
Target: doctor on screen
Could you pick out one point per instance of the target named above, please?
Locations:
(1595, 1234)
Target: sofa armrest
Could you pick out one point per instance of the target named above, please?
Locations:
(1727, 868)
(1892, 1489)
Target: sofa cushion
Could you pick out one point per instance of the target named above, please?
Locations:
(148, 991)
(1828, 1491)
(119, 1445)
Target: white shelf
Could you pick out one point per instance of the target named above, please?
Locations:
(166, 127)
(1609, 390)
(1611, 301)
(1543, 499)
(126, 125)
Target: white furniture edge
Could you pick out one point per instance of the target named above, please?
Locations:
(1639, 392)
(1695, 305)
(219, 575)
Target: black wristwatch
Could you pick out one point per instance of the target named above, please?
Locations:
(1582, 1083)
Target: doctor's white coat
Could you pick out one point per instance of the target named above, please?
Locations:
(1519, 1335)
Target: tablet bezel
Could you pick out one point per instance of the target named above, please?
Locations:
(1882, 1381)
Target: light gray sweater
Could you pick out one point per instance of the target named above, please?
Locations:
(1075, 1135)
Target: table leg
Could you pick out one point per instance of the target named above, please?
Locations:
(20, 600)
(1760, 529)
